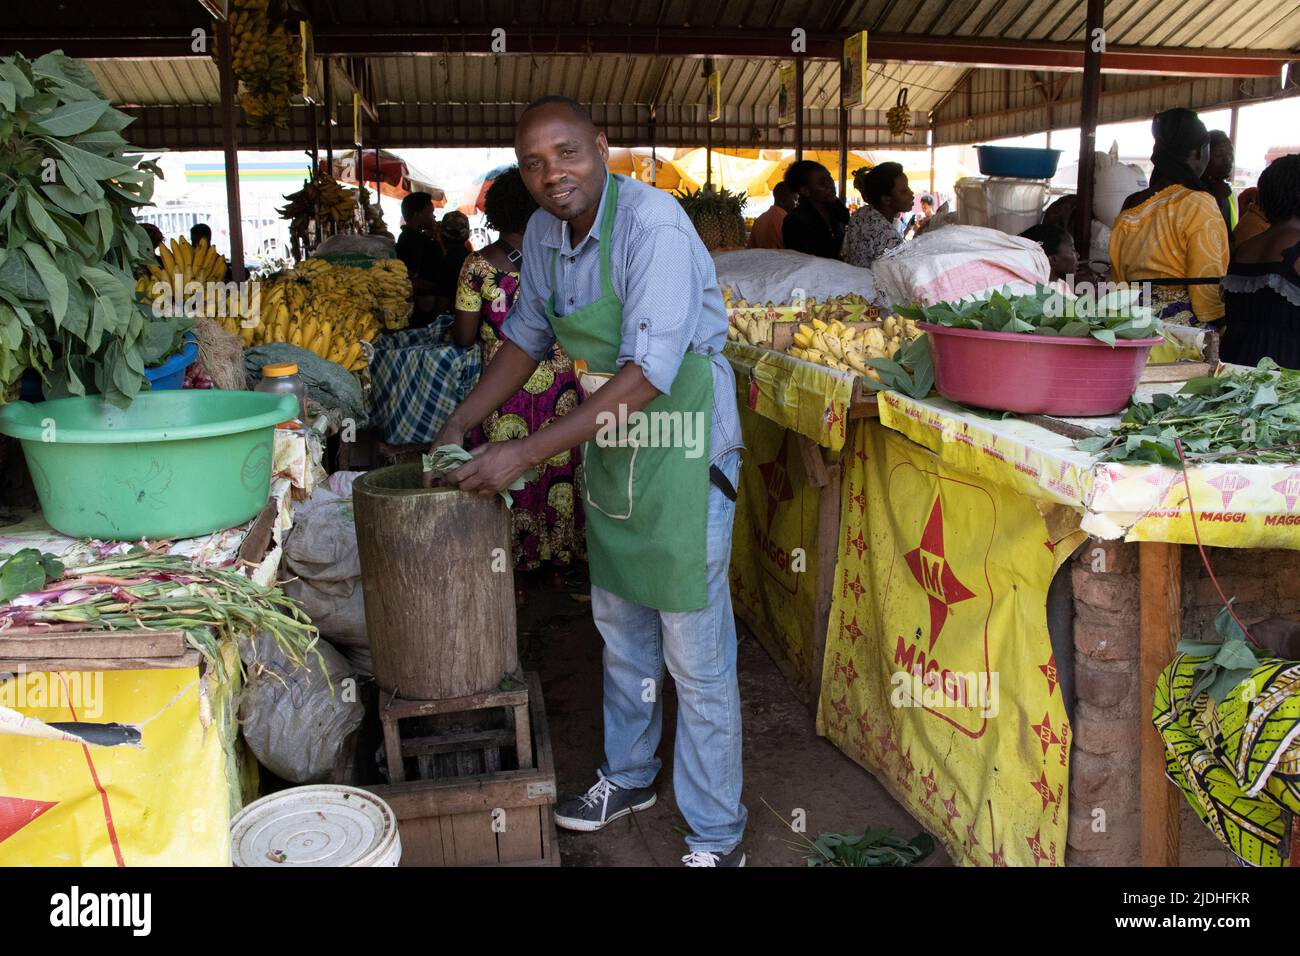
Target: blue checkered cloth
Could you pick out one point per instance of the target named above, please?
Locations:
(418, 377)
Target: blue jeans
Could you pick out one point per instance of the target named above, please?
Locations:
(699, 648)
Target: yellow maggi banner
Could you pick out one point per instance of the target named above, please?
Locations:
(939, 675)
(1236, 506)
(807, 398)
(165, 802)
(774, 548)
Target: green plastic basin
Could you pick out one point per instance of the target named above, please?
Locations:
(175, 464)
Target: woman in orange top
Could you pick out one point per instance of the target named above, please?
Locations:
(1173, 229)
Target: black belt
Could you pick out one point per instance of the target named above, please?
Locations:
(724, 484)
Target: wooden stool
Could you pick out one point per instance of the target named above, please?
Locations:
(393, 709)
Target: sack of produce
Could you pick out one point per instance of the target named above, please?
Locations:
(376, 247)
(781, 276)
(323, 569)
(296, 719)
(957, 262)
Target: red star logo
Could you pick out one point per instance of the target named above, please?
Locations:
(859, 544)
(905, 766)
(864, 725)
(1289, 488)
(851, 630)
(16, 813)
(832, 417)
(1229, 483)
(1050, 547)
(999, 858)
(777, 482)
(860, 499)
(857, 587)
(972, 840)
(1036, 846)
(860, 454)
(1044, 790)
(1049, 671)
(930, 569)
(1046, 736)
(841, 708)
(887, 742)
(950, 808)
(845, 669)
(928, 784)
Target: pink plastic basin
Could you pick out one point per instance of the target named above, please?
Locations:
(1036, 374)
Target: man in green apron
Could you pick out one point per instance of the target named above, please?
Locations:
(614, 269)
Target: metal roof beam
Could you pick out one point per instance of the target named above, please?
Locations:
(773, 44)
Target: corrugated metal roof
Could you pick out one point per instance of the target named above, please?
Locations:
(999, 98)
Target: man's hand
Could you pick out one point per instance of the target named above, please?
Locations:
(451, 434)
(495, 467)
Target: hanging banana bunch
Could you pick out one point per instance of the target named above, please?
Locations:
(899, 116)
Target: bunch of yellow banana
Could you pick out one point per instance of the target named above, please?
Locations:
(181, 265)
(266, 59)
(848, 347)
(321, 196)
(751, 329)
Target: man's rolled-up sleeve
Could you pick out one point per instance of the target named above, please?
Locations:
(526, 324)
(661, 303)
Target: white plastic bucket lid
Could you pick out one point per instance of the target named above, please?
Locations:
(324, 825)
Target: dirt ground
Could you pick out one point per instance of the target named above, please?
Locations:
(786, 765)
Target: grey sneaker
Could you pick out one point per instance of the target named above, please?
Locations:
(604, 803)
(704, 858)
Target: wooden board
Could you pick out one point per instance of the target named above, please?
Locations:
(1175, 372)
(32, 643)
(190, 658)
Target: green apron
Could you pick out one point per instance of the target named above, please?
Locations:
(646, 507)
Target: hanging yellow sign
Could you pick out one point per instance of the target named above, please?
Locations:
(938, 674)
(785, 94)
(713, 97)
(853, 71)
(356, 119)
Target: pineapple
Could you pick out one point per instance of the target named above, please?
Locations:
(717, 215)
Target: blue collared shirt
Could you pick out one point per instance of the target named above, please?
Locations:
(661, 273)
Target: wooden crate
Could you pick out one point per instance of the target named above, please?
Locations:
(492, 819)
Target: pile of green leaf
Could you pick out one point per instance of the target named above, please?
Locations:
(1046, 311)
(69, 240)
(878, 847)
(1228, 661)
(910, 371)
(1241, 416)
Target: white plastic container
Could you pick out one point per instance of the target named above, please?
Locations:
(1015, 204)
(1112, 184)
(972, 207)
(323, 825)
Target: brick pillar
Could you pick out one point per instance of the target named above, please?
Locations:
(1104, 816)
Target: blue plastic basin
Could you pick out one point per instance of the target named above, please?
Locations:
(171, 373)
(1019, 162)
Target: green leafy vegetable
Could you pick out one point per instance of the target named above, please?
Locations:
(1046, 311)
(68, 233)
(26, 571)
(878, 847)
(1249, 416)
(910, 371)
(1229, 661)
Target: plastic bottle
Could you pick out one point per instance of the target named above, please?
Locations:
(282, 379)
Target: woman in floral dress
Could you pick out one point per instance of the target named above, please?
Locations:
(547, 514)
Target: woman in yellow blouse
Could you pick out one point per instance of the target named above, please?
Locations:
(1173, 229)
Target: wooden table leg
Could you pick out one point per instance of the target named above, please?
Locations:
(1160, 571)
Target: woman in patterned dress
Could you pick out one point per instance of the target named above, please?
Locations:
(547, 515)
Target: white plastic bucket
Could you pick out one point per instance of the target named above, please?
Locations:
(325, 825)
(1015, 204)
(972, 208)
